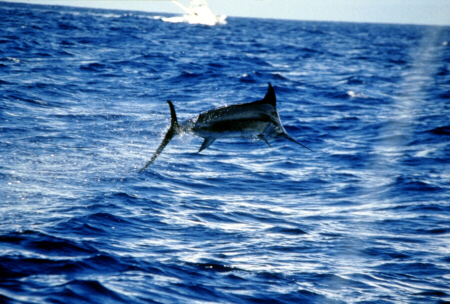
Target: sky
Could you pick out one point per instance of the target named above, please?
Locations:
(430, 12)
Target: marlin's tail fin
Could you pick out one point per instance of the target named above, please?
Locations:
(287, 136)
(171, 133)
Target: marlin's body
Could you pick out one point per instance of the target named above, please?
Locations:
(258, 119)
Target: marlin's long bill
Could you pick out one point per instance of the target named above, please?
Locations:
(171, 133)
(287, 136)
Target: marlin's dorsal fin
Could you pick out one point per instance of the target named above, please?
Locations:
(270, 97)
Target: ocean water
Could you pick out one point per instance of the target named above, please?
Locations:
(365, 218)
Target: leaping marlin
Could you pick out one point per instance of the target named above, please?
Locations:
(258, 119)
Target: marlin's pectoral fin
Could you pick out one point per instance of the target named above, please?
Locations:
(262, 137)
(208, 142)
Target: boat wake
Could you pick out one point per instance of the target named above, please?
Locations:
(197, 13)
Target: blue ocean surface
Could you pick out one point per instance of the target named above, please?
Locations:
(365, 218)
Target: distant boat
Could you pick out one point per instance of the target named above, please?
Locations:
(197, 13)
